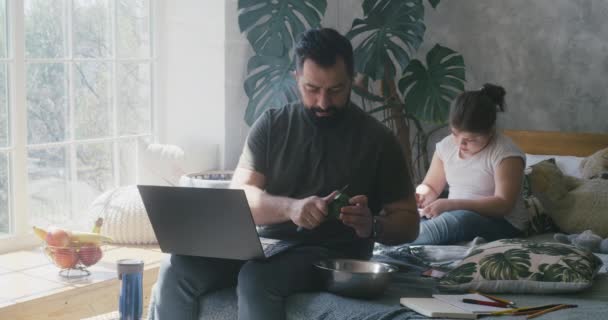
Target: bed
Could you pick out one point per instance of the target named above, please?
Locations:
(592, 302)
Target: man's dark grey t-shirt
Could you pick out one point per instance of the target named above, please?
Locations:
(299, 159)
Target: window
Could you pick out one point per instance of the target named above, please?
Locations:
(86, 69)
(4, 122)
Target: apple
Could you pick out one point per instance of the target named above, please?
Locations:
(89, 254)
(57, 237)
(65, 258)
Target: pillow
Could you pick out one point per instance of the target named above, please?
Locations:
(595, 165)
(569, 165)
(165, 164)
(159, 164)
(575, 205)
(521, 266)
(124, 216)
(539, 220)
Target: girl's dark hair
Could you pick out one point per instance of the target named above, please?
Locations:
(324, 46)
(475, 111)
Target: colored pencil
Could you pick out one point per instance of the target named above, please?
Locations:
(525, 312)
(486, 303)
(558, 307)
(497, 299)
(523, 309)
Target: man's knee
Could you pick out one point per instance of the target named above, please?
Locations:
(175, 266)
(195, 274)
(253, 278)
(167, 269)
(171, 270)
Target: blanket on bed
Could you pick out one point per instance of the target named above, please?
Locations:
(424, 257)
(408, 283)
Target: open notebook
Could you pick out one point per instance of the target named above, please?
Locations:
(449, 306)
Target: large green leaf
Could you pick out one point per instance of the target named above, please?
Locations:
(462, 274)
(585, 268)
(388, 35)
(272, 26)
(559, 273)
(513, 264)
(429, 91)
(270, 84)
(434, 3)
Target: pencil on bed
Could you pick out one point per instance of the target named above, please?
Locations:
(497, 299)
(524, 309)
(558, 307)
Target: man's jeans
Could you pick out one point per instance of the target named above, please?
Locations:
(262, 285)
(462, 225)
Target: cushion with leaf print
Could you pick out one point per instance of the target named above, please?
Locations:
(522, 266)
(539, 221)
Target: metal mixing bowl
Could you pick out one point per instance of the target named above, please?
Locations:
(355, 278)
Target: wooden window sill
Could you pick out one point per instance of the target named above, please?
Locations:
(33, 289)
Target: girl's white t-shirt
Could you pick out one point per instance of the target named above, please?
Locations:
(473, 178)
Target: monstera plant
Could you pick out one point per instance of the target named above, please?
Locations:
(412, 97)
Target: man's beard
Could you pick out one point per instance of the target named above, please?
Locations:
(335, 116)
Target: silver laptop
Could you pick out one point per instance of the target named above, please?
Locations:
(206, 222)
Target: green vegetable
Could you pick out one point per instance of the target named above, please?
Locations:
(341, 200)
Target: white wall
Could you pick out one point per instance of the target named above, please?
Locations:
(191, 78)
(238, 52)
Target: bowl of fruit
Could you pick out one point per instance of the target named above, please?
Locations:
(72, 251)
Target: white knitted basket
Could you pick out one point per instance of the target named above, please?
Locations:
(124, 216)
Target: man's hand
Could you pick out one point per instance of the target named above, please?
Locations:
(310, 212)
(435, 208)
(358, 216)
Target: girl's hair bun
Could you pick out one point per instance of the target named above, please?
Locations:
(496, 94)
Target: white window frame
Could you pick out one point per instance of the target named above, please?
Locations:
(20, 233)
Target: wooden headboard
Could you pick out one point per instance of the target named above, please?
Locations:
(558, 143)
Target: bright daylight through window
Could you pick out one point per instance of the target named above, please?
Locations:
(87, 68)
(4, 122)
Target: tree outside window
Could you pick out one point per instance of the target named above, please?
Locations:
(88, 89)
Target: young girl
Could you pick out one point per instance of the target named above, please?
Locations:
(484, 171)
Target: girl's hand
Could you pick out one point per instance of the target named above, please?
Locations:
(436, 208)
(425, 195)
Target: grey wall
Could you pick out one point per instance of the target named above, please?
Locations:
(339, 15)
(550, 55)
